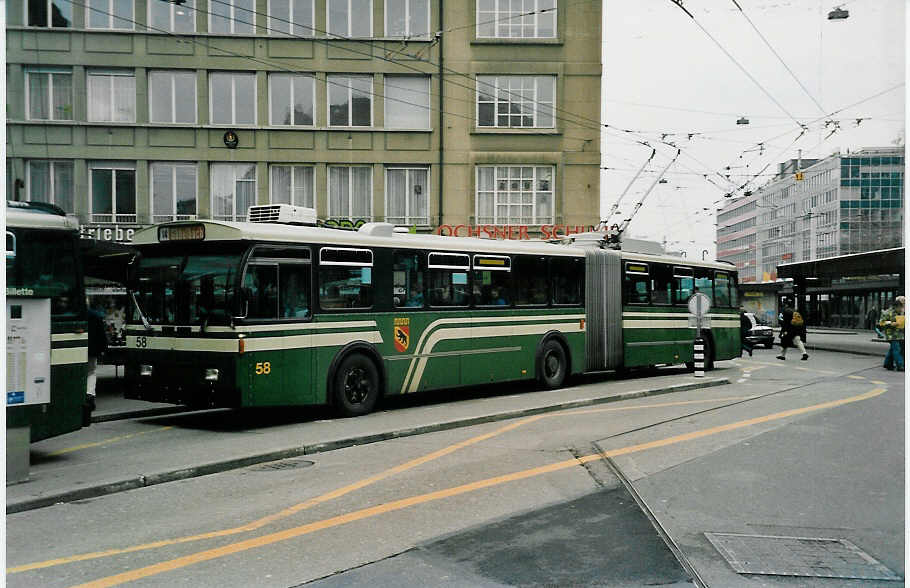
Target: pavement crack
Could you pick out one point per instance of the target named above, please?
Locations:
(587, 465)
(363, 565)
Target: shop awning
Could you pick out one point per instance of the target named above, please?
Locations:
(869, 263)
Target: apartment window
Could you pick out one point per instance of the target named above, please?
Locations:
(173, 191)
(407, 196)
(350, 101)
(233, 188)
(516, 101)
(232, 17)
(172, 17)
(291, 17)
(407, 18)
(110, 14)
(111, 96)
(291, 99)
(293, 184)
(407, 102)
(232, 98)
(350, 18)
(49, 13)
(350, 192)
(113, 192)
(515, 195)
(50, 181)
(172, 96)
(518, 19)
(49, 94)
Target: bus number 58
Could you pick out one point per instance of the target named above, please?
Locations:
(263, 367)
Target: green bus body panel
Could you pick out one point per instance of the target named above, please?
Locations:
(657, 335)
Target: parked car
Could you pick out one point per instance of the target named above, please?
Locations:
(759, 334)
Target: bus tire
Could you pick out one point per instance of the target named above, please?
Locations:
(356, 385)
(553, 366)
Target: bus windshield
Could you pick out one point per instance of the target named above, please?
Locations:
(42, 263)
(186, 289)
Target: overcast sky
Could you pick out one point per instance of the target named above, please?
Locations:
(664, 74)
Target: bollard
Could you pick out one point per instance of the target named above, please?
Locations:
(699, 357)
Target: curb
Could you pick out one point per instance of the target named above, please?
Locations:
(850, 351)
(143, 480)
(142, 412)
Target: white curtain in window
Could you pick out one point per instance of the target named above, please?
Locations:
(246, 188)
(162, 192)
(396, 195)
(281, 184)
(99, 93)
(222, 191)
(418, 193)
(303, 186)
(407, 102)
(339, 187)
(38, 96)
(63, 185)
(361, 192)
(39, 182)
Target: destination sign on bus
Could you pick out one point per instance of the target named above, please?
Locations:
(181, 233)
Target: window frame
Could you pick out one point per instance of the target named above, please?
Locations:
(646, 272)
(491, 82)
(502, 198)
(113, 166)
(52, 165)
(408, 35)
(409, 219)
(274, 75)
(110, 74)
(233, 75)
(500, 18)
(293, 167)
(333, 80)
(172, 73)
(232, 19)
(387, 100)
(173, 178)
(172, 9)
(89, 9)
(347, 264)
(350, 21)
(49, 7)
(259, 257)
(235, 217)
(330, 214)
(49, 72)
(291, 22)
(466, 268)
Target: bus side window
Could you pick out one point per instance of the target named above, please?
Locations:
(295, 290)
(448, 279)
(261, 284)
(568, 275)
(530, 276)
(636, 283)
(345, 278)
(734, 292)
(661, 284)
(704, 283)
(722, 289)
(407, 280)
(493, 286)
(684, 284)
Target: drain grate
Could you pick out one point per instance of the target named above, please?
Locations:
(798, 556)
(285, 464)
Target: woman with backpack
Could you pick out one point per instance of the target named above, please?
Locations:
(792, 332)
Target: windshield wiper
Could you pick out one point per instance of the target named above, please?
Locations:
(145, 321)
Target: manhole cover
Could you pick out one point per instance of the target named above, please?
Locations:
(286, 464)
(798, 556)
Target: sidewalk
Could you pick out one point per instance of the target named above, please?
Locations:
(855, 341)
(118, 455)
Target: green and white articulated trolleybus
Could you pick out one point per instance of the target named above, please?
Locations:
(279, 312)
(46, 338)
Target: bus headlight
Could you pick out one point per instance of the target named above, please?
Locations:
(145, 370)
(211, 375)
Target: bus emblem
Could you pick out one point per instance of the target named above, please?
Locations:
(402, 334)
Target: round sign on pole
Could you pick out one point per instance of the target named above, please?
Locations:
(699, 304)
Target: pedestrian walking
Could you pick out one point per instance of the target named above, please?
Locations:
(745, 326)
(97, 345)
(792, 332)
(892, 323)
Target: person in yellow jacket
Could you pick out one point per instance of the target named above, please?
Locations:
(892, 323)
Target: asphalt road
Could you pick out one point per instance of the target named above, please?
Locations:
(807, 449)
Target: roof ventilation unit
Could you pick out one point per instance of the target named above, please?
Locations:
(286, 214)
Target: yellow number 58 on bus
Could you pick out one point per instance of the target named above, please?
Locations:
(263, 367)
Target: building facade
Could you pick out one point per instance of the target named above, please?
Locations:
(814, 210)
(451, 116)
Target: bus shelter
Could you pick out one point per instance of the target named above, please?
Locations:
(847, 291)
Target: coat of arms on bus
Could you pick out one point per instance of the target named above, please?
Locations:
(402, 334)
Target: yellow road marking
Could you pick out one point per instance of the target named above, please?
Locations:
(108, 441)
(878, 382)
(252, 526)
(396, 505)
(857, 377)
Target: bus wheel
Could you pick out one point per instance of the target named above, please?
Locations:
(553, 365)
(356, 385)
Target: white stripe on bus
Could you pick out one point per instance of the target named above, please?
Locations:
(472, 333)
(69, 355)
(253, 344)
(69, 337)
(296, 326)
(471, 320)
